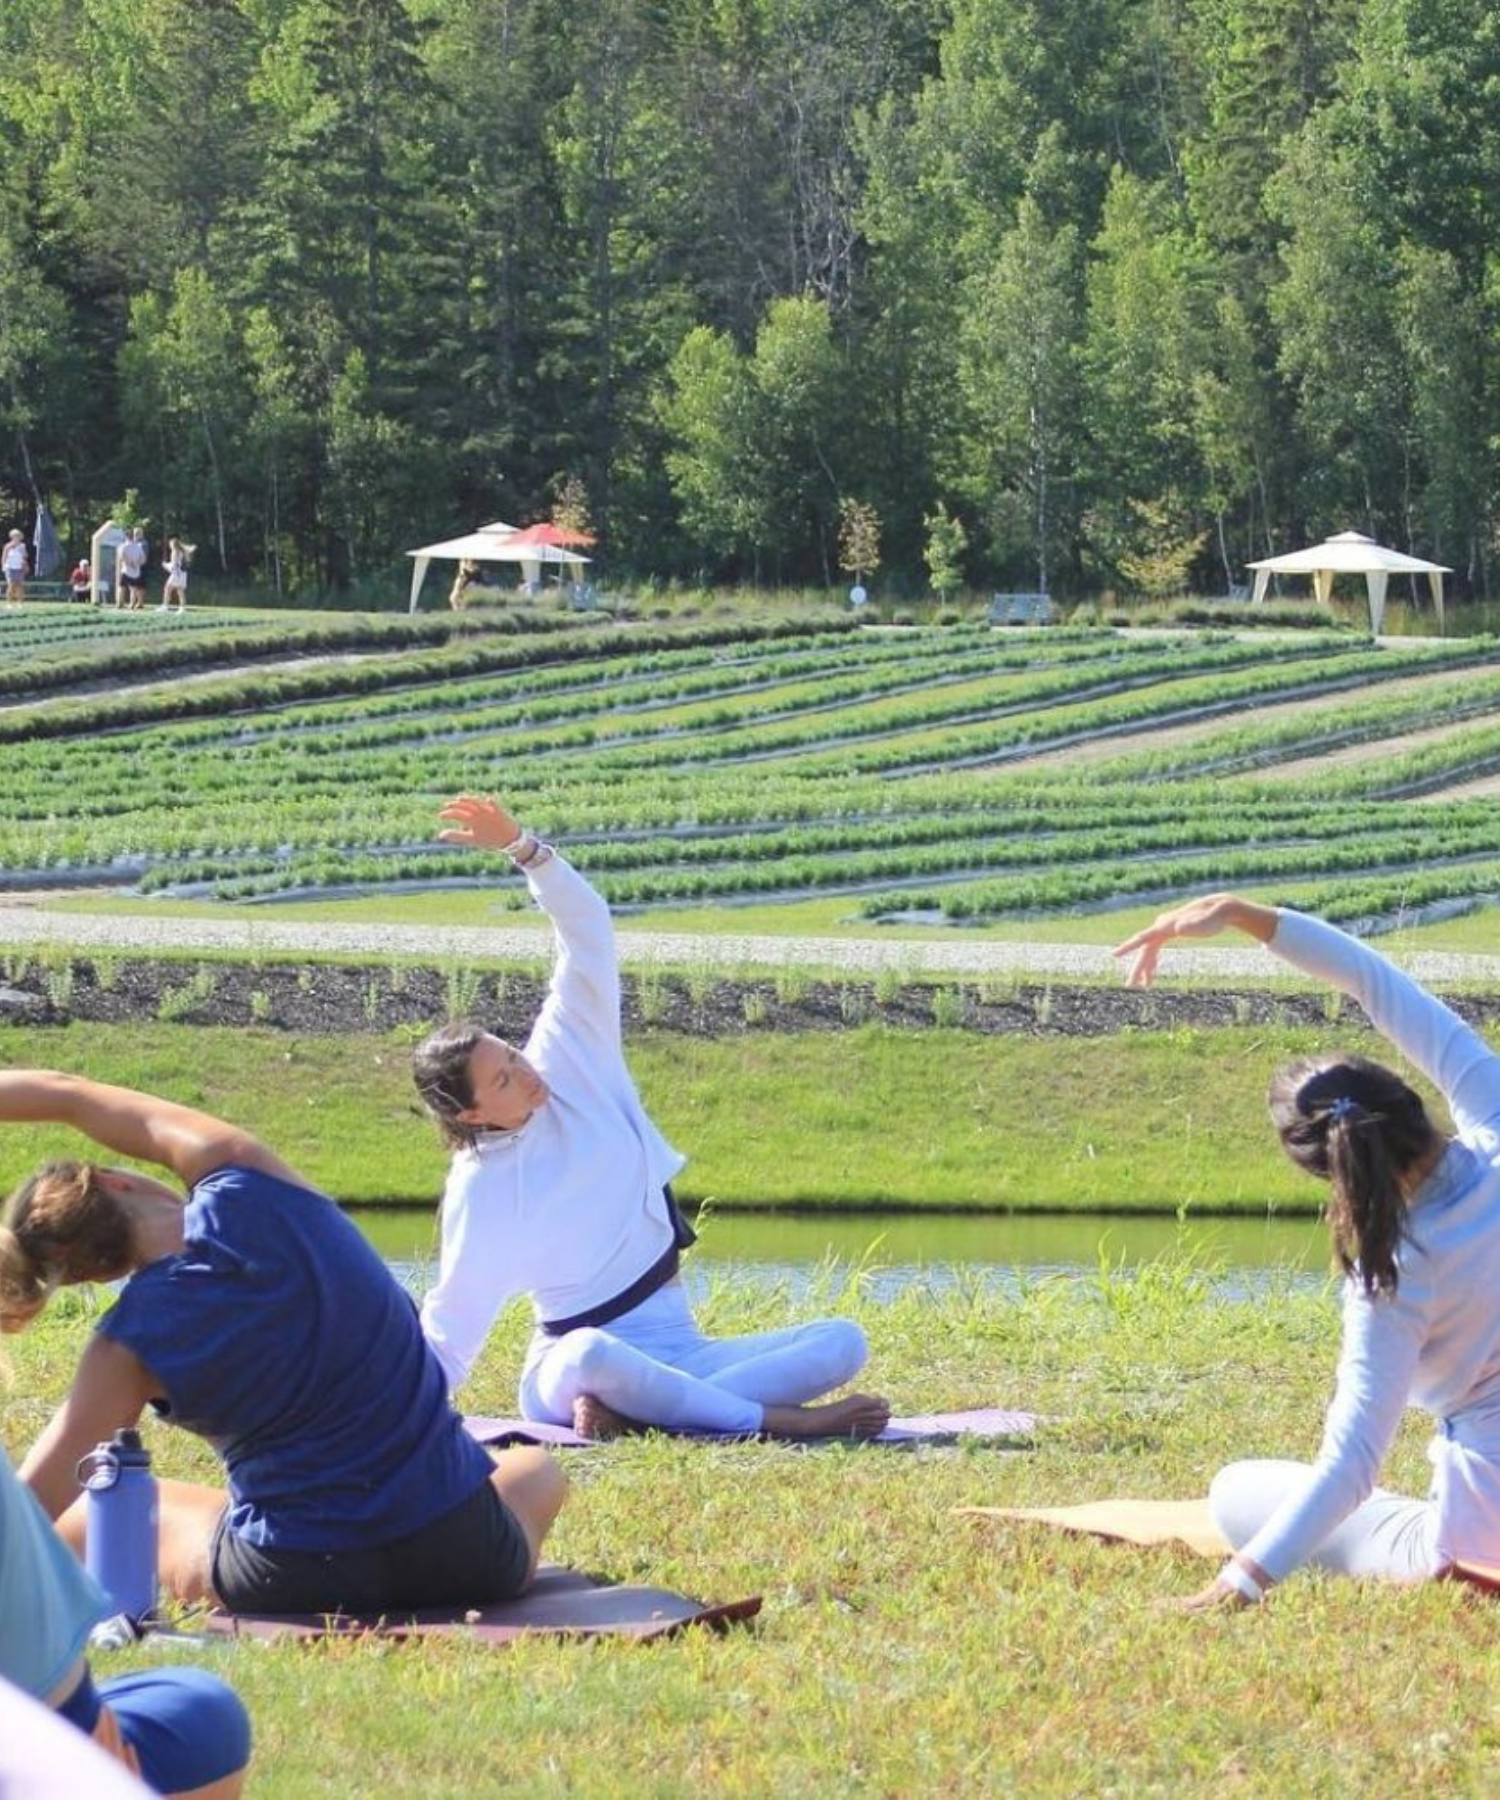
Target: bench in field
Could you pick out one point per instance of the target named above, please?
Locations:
(48, 590)
(1021, 609)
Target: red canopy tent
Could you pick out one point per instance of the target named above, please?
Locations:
(552, 537)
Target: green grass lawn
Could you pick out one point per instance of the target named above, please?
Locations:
(1143, 1121)
(903, 1651)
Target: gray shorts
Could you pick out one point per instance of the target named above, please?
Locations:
(470, 1556)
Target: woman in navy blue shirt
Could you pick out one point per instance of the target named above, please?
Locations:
(256, 1315)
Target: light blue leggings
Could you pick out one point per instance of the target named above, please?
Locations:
(1389, 1535)
(654, 1365)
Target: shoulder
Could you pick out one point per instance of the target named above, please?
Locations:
(238, 1181)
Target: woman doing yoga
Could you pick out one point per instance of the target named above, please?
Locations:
(558, 1189)
(255, 1315)
(1415, 1220)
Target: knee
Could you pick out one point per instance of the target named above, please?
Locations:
(846, 1348)
(1243, 1495)
(190, 1730)
(589, 1353)
(533, 1487)
(226, 1724)
(532, 1484)
(1223, 1494)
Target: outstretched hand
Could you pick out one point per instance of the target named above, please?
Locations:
(480, 822)
(1218, 1596)
(1202, 918)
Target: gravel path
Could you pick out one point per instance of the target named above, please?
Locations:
(261, 937)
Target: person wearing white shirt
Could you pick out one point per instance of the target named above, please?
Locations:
(174, 593)
(558, 1189)
(130, 561)
(13, 563)
(1415, 1220)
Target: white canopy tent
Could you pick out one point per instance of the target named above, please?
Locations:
(1351, 553)
(490, 543)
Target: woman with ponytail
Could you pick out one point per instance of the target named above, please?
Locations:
(254, 1314)
(1415, 1221)
(559, 1190)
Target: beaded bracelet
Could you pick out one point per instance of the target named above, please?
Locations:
(528, 850)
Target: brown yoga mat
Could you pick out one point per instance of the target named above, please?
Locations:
(1124, 1521)
(561, 1602)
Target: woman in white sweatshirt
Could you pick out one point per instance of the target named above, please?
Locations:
(1415, 1218)
(558, 1189)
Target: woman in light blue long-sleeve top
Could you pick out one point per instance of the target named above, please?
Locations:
(1415, 1217)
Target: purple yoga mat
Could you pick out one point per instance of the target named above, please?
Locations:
(920, 1428)
(561, 1602)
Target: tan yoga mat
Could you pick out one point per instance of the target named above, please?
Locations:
(1184, 1522)
(560, 1602)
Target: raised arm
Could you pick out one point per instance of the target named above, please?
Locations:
(1447, 1051)
(1450, 1053)
(584, 992)
(127, 1123)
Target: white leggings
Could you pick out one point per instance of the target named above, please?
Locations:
(654, 1365)
(1388, 1535)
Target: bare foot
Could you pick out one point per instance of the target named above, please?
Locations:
(856, 1416)
(593, 1419)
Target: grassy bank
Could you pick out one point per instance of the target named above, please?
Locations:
(903, 1651)
(1139, 1121)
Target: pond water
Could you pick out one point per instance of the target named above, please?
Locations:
(895, 1250)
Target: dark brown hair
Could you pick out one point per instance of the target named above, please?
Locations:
(440, 1068)
(1356, 1125)
(59, 1227)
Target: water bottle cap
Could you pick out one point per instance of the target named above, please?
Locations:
(105, 1463)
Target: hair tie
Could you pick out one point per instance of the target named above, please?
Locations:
(1340, 1109)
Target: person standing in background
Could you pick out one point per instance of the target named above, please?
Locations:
(13, 561)
(176, 566)
(131, 567)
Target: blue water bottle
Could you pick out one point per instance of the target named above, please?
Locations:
(120, 1542)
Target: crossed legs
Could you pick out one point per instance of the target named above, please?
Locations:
(655, 1368)
(529, 1481)
(1389, 1535)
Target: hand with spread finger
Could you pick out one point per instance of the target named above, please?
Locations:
(480, 822)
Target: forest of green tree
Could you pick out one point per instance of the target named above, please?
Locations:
(1098, 293)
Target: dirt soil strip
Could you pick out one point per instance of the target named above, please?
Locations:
(268, 939)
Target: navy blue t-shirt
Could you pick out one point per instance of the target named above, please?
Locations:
(279, 1335)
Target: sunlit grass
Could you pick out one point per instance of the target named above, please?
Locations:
(903, 1650)
(1155, 1122)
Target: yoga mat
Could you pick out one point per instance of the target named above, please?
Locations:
(561, 1602)
(1184, 1522)
(920, 1428)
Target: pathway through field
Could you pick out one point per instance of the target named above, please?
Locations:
(262, 938)
(1108, 747)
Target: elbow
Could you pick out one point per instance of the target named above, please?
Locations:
(455, 1369)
